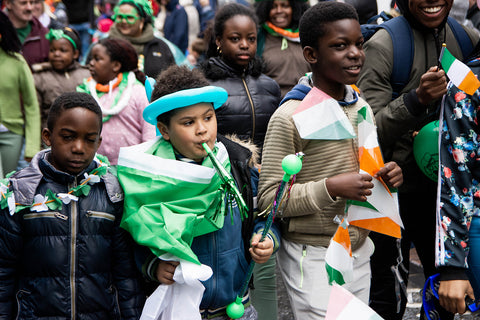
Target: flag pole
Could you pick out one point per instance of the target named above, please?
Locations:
(291, 165)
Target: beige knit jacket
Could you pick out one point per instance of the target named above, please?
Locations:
(308, 216)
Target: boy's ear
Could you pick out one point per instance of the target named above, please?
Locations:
(46, 134)
(163, 130)
(310, 55)
(76, 54)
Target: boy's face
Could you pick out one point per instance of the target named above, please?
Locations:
(189, 128)
(74, 140)
(430, 13)
(339, 57)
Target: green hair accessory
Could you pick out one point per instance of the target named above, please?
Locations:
(143, 6)
(57, 34)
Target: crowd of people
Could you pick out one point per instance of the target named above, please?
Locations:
(140, 139)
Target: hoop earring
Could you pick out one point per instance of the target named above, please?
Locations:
(219, 50)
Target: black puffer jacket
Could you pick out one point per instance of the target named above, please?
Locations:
(252, 99)
(74, 263)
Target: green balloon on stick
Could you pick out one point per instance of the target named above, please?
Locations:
(425, 150)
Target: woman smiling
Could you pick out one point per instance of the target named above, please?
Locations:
(133, 22)
(278, 41)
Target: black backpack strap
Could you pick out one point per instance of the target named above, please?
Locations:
(403, 51)
(462, 37)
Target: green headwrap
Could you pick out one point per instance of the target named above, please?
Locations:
(56, 34)
(144, 7)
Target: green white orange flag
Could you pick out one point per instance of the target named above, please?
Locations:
(338, 259)
(343, 305)
(459, 73)
(169, 202)
(380, 212)
(320, 117)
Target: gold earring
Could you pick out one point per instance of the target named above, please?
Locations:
(219, 50)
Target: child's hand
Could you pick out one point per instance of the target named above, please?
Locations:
(351, 185)
(261, 251)
(391, 174)
(165, 271)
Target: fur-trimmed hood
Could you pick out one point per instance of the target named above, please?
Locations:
(247, 144)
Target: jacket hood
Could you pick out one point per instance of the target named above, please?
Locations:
(249, 145)
(405, 11)
(47, 66)
(216, 68)
(171, 5)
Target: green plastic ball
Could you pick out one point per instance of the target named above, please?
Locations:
(425, 150)
(235, 310)
(291, 164)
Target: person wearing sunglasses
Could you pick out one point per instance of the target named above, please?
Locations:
(133, 22)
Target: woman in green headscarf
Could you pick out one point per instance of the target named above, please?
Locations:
(278, 41)
(133, 22)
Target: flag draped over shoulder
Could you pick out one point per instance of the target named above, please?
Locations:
(338, 259)
(169, 202)
(459, 73)
(380, 212)
(320, 117)
(343, 305)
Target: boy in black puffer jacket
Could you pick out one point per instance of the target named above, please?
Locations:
(63, 254)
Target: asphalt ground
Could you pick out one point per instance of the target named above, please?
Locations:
(415, 284)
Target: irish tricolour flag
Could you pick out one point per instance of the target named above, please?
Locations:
(338, 259)
(380, 212)
(320, 117)
(343, 305)
(460, 75)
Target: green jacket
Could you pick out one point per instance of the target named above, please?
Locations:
(19, 111)
(398, 119)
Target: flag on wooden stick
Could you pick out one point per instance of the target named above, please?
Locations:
(459, 73)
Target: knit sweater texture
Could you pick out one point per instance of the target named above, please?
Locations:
(307, 217)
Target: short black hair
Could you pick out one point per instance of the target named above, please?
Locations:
(70, 100)
(224, 14)
(314, 20)
(263, 7)
(173, 79)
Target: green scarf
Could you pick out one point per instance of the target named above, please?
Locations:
(137, 42)
(169, 202)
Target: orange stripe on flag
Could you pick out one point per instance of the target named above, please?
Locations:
(342, 237)
(469, 84)
(370, 160)
(382, 225)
